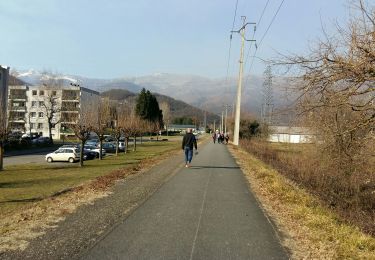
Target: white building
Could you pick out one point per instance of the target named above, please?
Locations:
(30, 106)
(4, 74)
(291, 134)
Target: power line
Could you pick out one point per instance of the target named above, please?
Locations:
(269, 26)
(258, 24)
(230, 39)
(264, 35)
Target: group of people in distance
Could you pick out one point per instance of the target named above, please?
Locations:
(221, 138)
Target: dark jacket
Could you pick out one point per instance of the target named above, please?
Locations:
(189, 141)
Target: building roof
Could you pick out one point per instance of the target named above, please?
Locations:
(181, 126)
(297, 130)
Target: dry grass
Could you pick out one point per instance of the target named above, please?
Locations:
(350, 194)
(311, 231)
(31, 220)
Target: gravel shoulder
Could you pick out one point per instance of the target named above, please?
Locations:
(89, 223)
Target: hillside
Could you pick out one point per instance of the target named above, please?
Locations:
(14, 81)
(178, 108)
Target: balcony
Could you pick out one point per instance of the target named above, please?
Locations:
(70, 95)
(17, 119)
(18, 97)
(17, 108)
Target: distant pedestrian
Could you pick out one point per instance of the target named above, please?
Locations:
(226, 138)
(214, 137)
(221, 137)
(188, 144)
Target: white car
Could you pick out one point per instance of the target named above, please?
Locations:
(64, 154)
(121, 145)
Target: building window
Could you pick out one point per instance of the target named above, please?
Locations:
(41, 114)
(54, 93)
(33, 114)
(34, 92)
(33, 103)
(41, 92)
(32, 125)
(40, 125)
(41, 103)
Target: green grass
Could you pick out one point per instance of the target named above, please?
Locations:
(24, 184)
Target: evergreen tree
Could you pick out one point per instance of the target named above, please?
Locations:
(148, 107)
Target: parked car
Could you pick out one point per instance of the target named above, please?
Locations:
(41, 140)
(88, 155)
(109, 147)
(95, 149)
(64, 154)
(121, 146)
(109, 138)
(92, 142)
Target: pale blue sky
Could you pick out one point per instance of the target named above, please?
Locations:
(116, 38)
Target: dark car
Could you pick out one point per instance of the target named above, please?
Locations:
(88, 155)
(41, 140)
(109, 147)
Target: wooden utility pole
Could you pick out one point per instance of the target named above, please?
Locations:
(236, 133)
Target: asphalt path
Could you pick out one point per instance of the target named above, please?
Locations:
(25, 159)
(203, 212)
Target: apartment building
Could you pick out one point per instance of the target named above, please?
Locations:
(31, 106)
(4, 74)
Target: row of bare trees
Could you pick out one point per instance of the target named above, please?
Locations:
(118, 120)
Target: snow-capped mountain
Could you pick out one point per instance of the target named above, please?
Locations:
(205, 93)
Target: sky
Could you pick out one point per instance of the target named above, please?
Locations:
(123, 38)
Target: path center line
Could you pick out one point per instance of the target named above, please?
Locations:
(200, 217)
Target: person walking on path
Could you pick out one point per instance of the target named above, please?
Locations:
(214, 137)
(188, 144)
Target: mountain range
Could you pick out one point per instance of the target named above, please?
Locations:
(201, 92)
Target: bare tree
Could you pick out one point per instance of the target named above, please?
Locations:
(119, 115)
(166, 114)
(126, 122)
(103, 121)
(50, 102)
(83, 123)
(337, 90)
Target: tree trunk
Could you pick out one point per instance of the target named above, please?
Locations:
(50, 133)
(81, 155)
(126, 144)
(135, 144)
(117, 141)
(100, 148)
(1, 156)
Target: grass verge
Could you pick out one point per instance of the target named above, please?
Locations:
(36, 197)
(311, 231)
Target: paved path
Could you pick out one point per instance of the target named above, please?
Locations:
(205, 212)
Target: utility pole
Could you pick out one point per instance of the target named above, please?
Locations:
(222, 122)
(226, 117)
(241, 31)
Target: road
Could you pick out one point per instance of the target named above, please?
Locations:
(204, 212)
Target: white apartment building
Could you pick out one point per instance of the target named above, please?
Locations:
(29, 106)
(4, 74)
